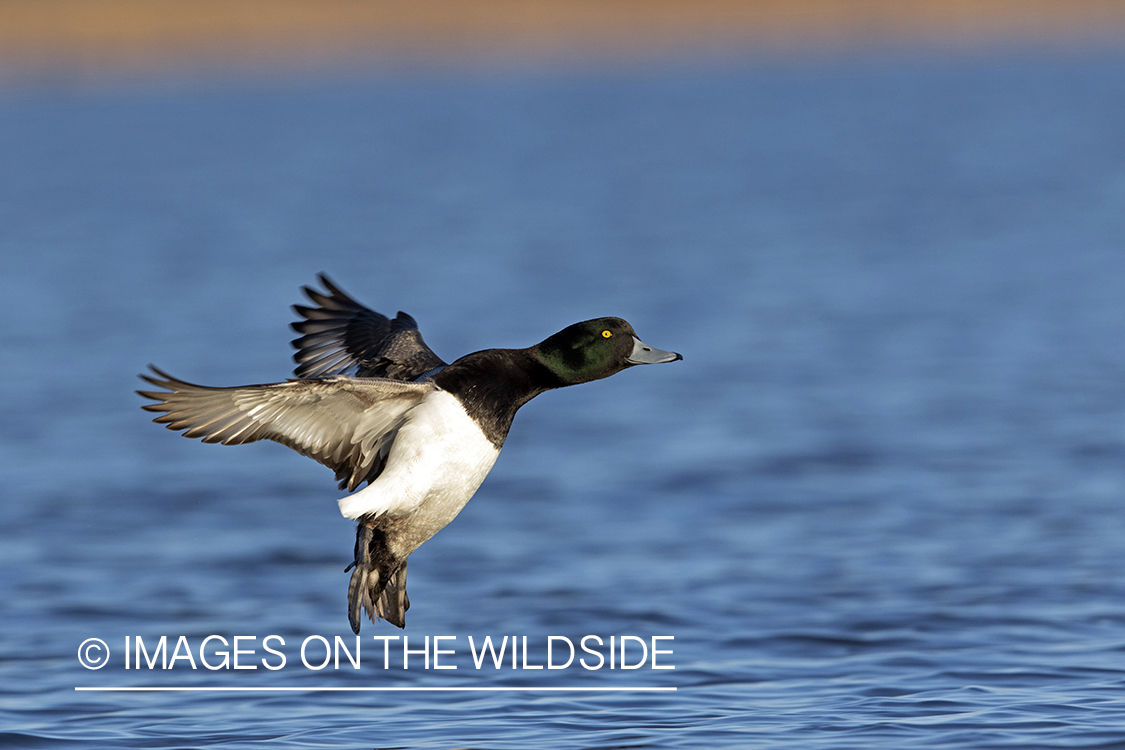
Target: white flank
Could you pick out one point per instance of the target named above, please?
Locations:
(437, 461)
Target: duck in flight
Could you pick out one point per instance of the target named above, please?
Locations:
(373, 403)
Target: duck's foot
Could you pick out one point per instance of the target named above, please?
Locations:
(361, 571)
(378, 582)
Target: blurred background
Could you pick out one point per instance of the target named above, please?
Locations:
(86, 39)
(881, 502)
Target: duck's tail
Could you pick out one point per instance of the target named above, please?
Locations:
(378, 583)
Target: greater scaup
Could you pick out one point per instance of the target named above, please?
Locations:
(372, 402)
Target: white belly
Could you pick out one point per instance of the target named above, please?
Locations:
(436, 463)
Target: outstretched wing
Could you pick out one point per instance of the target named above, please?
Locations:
(346, 424)
(341, 336)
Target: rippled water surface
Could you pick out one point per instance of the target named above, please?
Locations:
(881, 502)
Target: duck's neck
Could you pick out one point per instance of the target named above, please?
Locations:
(493, 384)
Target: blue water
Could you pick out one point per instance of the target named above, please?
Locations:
(880, 504)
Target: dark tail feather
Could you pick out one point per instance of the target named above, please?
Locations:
(378, 583)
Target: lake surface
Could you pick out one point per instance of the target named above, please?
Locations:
(880, 504)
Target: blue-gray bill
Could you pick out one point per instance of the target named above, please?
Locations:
(643, 354)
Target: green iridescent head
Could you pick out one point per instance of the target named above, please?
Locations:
(596, 349)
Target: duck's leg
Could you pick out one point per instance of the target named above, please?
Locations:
(361, 572)
(378, 582)
(394, 602)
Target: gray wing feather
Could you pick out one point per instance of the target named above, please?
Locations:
(347, 424)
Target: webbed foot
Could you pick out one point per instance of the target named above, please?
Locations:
(378, 582)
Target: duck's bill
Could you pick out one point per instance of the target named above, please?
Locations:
(643, 354)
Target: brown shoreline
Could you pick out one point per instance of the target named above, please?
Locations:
(91, 38)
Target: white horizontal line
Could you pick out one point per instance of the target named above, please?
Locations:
(373, 689)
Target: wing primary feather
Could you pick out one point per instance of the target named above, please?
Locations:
(342, 336)
(343, 423)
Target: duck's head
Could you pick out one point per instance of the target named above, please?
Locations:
(596, 349)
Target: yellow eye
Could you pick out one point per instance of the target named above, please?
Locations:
(606, 334)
